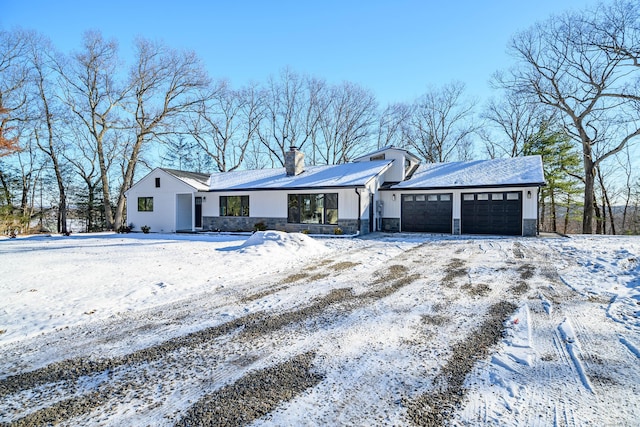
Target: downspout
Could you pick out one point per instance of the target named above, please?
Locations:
(538, 212)
(359, 207)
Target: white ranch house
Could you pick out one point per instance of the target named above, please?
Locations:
(388, 190)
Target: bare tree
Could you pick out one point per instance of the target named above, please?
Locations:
(47, 116)
(392, 125)
(442, 124)
(14, 72)
(166, 84)
(290, 117)
(224, 125)
(518, 120)
(347, 123)
(585, 65)
(93, 95)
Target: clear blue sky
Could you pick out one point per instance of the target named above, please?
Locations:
(398, 48)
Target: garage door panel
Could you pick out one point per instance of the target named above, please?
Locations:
(431, 213)
(492, 213)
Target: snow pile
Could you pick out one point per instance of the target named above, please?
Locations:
(273, 242)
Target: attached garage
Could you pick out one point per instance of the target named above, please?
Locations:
(492, 213)
(430, 213)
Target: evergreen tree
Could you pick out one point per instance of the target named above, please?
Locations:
(561, 171)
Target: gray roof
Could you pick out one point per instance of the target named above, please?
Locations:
(514, 171)
(330, 176)
(199, 181)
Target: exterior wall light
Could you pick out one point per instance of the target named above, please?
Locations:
(528, 194)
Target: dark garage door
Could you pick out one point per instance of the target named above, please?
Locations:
(430, 213)
(492, 213)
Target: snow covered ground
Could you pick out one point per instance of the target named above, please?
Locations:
(390, 329)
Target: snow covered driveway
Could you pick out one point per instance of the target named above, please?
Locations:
(288, 330)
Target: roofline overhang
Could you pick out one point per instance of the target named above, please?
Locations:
(330, 187)
(465, 187)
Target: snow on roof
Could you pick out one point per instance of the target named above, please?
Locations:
(478, 173)
(199, 181)
(387, 148)
(343, 175)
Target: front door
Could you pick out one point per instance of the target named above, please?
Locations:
(198, 212)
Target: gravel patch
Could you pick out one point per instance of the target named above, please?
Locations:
(437, 407)
(254, 395)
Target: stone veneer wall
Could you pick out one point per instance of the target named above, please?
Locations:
(246, 223)
(391, 224)
(529, 227)
(456, 226)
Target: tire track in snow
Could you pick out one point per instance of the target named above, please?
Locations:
(572, 345)
(249, 328)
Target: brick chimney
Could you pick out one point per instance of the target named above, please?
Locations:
(294, 161)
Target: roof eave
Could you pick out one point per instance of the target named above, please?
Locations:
(465, 187)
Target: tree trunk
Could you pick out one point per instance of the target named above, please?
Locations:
(566, 214)
(108, 210)
(5, 189)
(589, 198)
(554, 226)
(598, 217)
(128, 180)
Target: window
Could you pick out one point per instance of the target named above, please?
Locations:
(234, 205)
(378, 157)
(468, 197)
(313, 208)
(445, 197)
(513, 196)
(157, 182)
(496, 196)
(483, 196)
(145, 204)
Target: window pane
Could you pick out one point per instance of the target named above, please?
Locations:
(513, 196)
(332, 216)
(467, 196)
(313, 208)
(331, 201)
(244, 201)
(433, 197)
(293, 209)
(483, 196)
(145, 204)
(445, 197)
(234, 205)
(496, 196)
(407, 198)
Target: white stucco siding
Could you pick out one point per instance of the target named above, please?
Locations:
(163, 216)
(268, 204)
(274, 203)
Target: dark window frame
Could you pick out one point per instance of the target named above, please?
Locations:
(157, 182)
(145, 204)
(239, 206)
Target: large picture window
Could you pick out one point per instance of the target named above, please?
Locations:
(145, 204)
(313, 208)
(234, 205)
